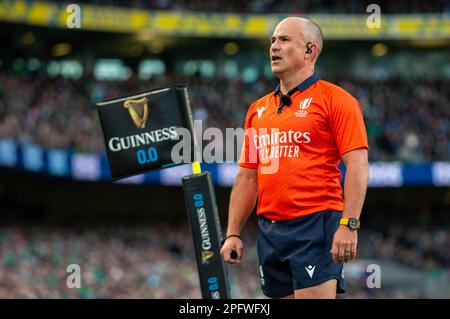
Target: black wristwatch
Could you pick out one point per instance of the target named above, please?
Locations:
(352, 223)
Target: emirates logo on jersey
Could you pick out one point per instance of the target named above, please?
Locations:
(302, 112)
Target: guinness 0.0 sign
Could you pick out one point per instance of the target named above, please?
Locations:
(141, 130)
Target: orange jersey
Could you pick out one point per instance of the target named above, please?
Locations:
(297, 151)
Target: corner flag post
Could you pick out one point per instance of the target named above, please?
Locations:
(204, 222)
(127, 118)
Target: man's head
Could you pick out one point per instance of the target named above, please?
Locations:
(296, 45)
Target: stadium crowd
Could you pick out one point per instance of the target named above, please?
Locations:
(283, 6)
(406, 120)
(154, 260)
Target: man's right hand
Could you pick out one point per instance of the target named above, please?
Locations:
(232, 244)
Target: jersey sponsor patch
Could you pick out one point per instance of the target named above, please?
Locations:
(303, 105)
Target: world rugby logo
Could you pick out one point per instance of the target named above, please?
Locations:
(302, 112)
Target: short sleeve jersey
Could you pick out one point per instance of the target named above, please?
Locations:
(297, 148)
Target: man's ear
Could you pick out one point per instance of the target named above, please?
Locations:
(308, 47)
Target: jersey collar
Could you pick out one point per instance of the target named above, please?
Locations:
(301, 87)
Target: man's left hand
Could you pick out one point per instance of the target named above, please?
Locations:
(344, 244)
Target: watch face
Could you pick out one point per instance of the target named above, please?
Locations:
(353, 223)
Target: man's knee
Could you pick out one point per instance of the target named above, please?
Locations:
(326, 290)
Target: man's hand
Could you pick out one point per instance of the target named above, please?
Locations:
(344, 244)
(232, 243)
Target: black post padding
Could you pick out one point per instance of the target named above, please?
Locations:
(204, 222)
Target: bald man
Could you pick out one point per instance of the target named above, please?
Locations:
(296, 136)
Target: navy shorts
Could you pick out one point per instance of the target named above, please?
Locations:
(296, 254)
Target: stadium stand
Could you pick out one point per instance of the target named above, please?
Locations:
(140, 261)
(39, 110)
(276, 6)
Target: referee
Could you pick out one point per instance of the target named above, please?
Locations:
(296, 136)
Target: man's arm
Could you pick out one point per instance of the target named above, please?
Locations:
(355, 186)
(242, 201)
(356, 180)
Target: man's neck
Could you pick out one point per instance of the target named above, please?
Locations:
(288, 82)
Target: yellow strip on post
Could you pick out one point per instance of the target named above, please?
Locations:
(196, 168)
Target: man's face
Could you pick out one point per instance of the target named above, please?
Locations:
(287, 51)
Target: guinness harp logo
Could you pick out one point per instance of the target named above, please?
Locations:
(138, 110)
(206, 255)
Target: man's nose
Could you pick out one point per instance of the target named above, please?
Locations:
(275, 47)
